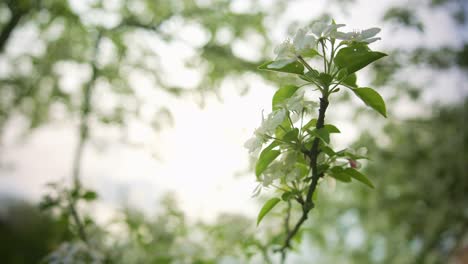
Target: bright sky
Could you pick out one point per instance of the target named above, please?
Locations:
(201, 156)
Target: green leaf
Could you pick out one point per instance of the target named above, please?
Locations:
(321, 133)
(356, 57)
(267, 208)
(312, 123)
(266, 157)
(322, 168)
(286, 125)
(338, 173)
(327, 150)
(325, 79)
(310, 76)
(90, 195)
(287, 196)
(310, 53)
(358, 176)
(371, 98)
(351, 80)
(292, 135)
(331, 128)
(347, 79)
(282, 94)
(293, 67)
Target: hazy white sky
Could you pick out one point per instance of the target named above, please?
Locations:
(199, 157)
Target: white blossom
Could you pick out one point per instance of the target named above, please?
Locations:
(273, 120)
(254, 143)
(288, 51)
(296, 102)
(366, 35)
(304, 40)
(324, 30)
(267, 128)
(294, 174)
(274, 171)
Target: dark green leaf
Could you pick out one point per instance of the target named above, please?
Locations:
(356, 57)
(293, 67)
(325, 79)
(327, 150)
(371, 98)
(322, 168)
(338, 173)
(358, 176)
(90, 195)
(267, 208)
(287, 196)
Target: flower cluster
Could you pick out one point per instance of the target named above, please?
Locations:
(292, 108)
(265, 131)
(306, 40)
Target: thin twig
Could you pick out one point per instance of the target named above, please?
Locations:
(83, 137)
(286, 225)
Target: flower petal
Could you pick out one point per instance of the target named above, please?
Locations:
(370, 32)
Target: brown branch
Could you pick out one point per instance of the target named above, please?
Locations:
(313, 154)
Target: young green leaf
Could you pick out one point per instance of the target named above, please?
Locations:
(266, 157)
(291, 135)
(310, 76)
(321, 133)
(293, 67)
(90, 195)
(310, 124)
(358, 176)
(356, 57)
(310, 53)
(331, 128)
(282, 94)
(267, 208)
(371, 98)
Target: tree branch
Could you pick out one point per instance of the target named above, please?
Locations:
(313, 154)
(83, 137)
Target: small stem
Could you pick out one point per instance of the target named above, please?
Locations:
(324, 57)
(286, 225)
(77, 220)
(83, 138)
(304, 63)
(332, 55)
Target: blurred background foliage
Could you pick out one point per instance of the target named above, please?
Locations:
(417, 214)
